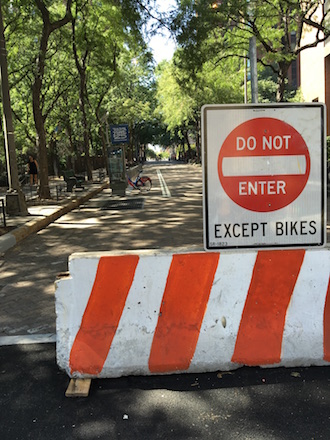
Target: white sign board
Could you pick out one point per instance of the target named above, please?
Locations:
(264, 175)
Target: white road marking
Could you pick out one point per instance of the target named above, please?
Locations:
(165, 191)
(27, 339)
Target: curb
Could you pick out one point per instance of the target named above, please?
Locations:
(9, 240)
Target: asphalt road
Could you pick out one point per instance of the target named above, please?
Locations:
(249, 403)
(28, 271)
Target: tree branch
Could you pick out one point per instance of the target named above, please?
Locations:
(24, 125)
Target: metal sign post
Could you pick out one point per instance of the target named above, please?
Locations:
(264, 176)
(116, 154)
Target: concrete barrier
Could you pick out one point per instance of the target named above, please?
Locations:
(158, 313)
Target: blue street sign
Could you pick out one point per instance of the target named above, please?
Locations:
(119, 134)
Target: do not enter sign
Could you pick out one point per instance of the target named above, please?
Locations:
(264, 164)
(264, 175)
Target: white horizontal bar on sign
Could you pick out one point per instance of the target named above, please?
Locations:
(263, 166)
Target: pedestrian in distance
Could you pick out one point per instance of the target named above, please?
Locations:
(33, 170)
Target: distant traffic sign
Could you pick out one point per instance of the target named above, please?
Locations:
(119, 134)
(264, 176)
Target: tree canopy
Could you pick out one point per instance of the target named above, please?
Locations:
(224, 28)
(64, 57)
(77, 66)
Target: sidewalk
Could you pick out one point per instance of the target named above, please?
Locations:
(43, 212)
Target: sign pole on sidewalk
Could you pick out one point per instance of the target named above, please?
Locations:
(116, 154)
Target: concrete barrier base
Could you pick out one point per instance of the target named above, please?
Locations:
(158, 313)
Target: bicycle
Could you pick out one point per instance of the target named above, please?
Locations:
(142, 183)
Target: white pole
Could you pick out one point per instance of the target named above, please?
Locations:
(253, 69)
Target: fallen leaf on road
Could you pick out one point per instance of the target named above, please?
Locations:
(219, 375)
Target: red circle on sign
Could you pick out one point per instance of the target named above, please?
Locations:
(264, 164)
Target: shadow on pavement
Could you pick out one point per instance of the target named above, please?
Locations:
(248, 403)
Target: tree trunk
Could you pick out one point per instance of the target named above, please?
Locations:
(281, 78)
(198, 144)
(103, 135)
(88, 165)
(186, 136)
(70, 158)
(104, 149)
(129, 147)
(44, 192)
(81, 68)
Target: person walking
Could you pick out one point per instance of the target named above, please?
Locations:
(33, 170)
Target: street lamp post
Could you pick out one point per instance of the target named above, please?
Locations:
(15, 199)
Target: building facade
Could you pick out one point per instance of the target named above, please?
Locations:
(315, 71)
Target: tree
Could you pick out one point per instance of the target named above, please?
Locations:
(49, 25)
(32, 25)
(131, 96)
(181, 93)
(225, 27)
(103, 34)
(81, 64)
(96, 45)
(20, 31)
(51, 81)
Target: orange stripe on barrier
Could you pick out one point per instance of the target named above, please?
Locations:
(259, 338)
(326, 326)
(112, 283)
(182, 311)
